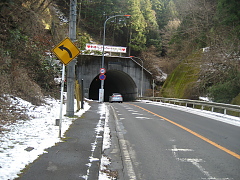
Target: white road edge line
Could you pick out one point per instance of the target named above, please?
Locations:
(126, 154)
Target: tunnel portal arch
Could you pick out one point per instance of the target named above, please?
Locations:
(116, 82)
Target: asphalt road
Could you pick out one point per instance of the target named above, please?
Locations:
(162, 143)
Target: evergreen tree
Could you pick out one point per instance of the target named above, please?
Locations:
(228, 15)
(161, 9)
(229, 12)
(138, 25)
(149, 14)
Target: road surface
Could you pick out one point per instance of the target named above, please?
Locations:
(162, 143)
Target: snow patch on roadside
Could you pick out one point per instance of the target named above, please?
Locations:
(101, 127)
(25, 140)
(105, 161)
(103, 175)
(106, 135)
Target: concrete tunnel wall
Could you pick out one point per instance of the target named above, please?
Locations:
(122, 76)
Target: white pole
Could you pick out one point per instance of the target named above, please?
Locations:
(142, 79)
(153, 87)
(61, 99)
(101, 90)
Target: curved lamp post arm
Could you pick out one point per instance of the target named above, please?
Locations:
(104, 35)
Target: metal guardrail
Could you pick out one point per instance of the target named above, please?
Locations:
(210, 106)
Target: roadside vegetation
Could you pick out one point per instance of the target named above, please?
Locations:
(27, 71)
(212, 30)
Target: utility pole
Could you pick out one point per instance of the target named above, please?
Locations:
(71, 65)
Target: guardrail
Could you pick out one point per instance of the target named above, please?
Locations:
(210, 106)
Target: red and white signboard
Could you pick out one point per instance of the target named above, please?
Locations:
(97, 47)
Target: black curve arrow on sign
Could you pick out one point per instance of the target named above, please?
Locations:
(66, 49)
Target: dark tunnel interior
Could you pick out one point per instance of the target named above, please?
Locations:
(115, 82)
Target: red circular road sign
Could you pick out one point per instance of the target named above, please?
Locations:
(102, 77)
(102, 71)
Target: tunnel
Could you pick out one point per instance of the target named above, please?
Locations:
(116, 82)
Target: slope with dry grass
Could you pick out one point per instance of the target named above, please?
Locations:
(26, 70)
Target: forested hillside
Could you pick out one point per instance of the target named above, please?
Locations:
(166, 34)
(214, 26)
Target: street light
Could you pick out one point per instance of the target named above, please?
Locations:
(101, 91)
(141, 75)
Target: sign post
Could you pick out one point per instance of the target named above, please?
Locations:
(66, 51)
(101, 95)
(61, 100)
(102, 77)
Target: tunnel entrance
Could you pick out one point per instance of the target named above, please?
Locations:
(115, 82)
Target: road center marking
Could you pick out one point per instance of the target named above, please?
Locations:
(142, 118)
(194, 133)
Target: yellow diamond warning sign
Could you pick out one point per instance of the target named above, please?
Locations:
(66, 51)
